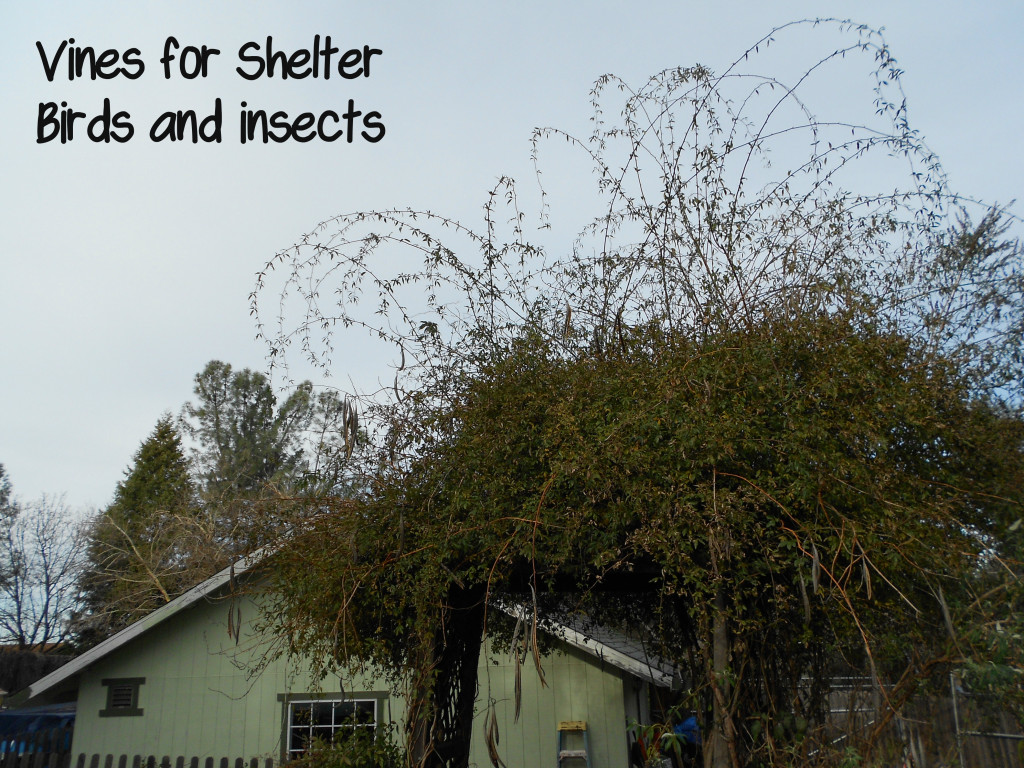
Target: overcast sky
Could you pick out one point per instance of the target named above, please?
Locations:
(125, 267)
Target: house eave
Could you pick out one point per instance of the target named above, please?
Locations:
(653, 670)
(60, 677)
(643, 665)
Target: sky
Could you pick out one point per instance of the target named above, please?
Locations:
(126, 266)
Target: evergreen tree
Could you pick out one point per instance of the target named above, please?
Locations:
(137, 556)
(8, 512)
(245, 439)
(174, 522)
(5, 491)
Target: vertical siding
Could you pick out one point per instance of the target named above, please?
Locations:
(579, 688)
(198, 699)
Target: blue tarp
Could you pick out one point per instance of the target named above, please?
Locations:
(16, 724)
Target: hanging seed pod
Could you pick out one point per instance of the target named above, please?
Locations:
(815, 568)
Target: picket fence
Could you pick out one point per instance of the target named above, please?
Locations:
(52, 749)
(49, 748)
(151, 761)
(52, 759)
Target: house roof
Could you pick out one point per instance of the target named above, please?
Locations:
(58, 679)
(608, 645)
(620, 650)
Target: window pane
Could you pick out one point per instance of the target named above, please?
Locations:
(366, 712)
(343, 712)
(301, 714)
(300, 740)
(322, 713)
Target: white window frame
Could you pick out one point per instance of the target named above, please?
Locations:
(357, 701)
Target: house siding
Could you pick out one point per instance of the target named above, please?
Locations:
(198, 699)
(579, 687)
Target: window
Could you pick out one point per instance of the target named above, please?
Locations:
(122, 697)
(327, 718)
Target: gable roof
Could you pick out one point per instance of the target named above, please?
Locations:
(607, 645)
(58, 679)
(621, 651)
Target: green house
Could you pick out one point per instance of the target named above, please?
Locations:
(180, 682)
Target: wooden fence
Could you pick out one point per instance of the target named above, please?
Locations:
(151, 761)
(959, 730)
(52, 749)
(49, 748)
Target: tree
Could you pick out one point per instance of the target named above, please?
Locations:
(245, 439)
(8, 513)
(139, 553)
(173, 522)
(776, 414)
(6, 499)
(41, 555)
(252, 453)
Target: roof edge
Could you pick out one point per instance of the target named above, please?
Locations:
(143, 625)
(652, 668)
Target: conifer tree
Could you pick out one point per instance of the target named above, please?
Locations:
(176, 520)
(137, 556)
(244, 438)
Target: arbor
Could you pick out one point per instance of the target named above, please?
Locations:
(775, 415)
(772, 503)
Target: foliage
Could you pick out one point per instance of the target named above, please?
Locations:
(152, 542)
(657, 741)
(245, 441)
(8, 512)
(174, 521)
(6, 498)
(782, 413)
(359, 749)
(991, 642)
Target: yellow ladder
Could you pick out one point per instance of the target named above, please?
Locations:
(573, 726)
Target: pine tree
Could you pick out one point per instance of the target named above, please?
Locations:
(246, 440)
(138, 557)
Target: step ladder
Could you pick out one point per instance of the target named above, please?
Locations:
(573, 726)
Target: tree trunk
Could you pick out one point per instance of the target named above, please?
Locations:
(444, 727)
(721, 752)
(721, 731)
